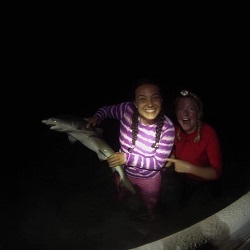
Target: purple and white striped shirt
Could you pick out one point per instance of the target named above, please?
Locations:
(143, 161)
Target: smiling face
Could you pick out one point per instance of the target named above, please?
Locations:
(187, 113)
(148, 101)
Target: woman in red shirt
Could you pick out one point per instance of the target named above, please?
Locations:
(197, 151)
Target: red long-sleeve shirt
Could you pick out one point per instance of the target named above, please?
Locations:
(206, 152)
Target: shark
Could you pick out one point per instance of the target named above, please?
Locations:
(92, 138)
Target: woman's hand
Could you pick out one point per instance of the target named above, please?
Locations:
(168, 163)
(116, 159)
(91, 122)
(180, 165)
(208, 173)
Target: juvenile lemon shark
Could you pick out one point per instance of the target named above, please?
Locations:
(91, 137)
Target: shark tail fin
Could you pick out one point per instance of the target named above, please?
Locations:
(125, 182)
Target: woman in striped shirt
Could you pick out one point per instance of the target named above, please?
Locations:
(146, 140)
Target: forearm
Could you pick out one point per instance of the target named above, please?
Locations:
(207, 173)
(169, 163)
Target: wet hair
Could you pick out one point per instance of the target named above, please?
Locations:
(186, 93)
(160, 118)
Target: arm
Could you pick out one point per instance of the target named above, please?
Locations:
(203, 160)
(208, 173)
(169, 163)
(111, 111)
(119, 158)
(144, 157)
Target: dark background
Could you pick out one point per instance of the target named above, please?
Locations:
(72, 64)
(76, 75)
(63, 66)
(71, 82)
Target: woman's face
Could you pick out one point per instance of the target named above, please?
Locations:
(187, 113)
(148, 101)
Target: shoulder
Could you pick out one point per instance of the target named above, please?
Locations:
(128, 106)
(208, 129)
(124, 105)
(125, 108)
(168, 125)
(168, 122)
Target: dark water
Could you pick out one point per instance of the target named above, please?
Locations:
(63, 198)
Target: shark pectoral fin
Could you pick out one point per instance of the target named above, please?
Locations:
(72, 139)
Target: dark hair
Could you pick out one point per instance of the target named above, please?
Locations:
(160, 121)
(142, 81)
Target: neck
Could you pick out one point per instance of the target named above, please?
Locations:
(147, 122)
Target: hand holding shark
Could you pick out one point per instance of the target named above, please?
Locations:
(91, 137)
